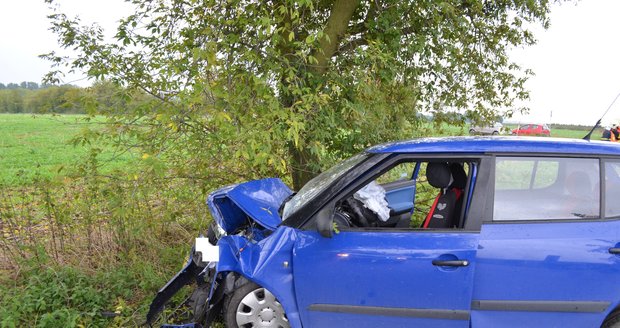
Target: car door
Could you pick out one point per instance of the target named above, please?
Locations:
(546, 258)
(524, 130)
(384, 277)
(400, 194)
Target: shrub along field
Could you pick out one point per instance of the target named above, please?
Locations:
(86, 240)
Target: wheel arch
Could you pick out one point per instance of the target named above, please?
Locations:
(615, 311)
(266, 263)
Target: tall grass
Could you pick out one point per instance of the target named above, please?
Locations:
(91, 248)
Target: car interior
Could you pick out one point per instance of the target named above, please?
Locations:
(418, 195)
(561, 188)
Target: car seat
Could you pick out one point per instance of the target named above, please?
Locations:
(444, 212)
(458, 186)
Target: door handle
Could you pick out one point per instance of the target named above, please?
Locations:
(614, 250)
(454, 263)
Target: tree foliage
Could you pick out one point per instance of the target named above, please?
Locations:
(282, 87)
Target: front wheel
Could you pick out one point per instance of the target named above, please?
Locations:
(198, 302)
(612, 321)
(254, 306)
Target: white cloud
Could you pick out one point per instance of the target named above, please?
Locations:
(577, 64)
(24, 31)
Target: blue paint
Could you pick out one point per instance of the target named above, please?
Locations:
(263, 263)
(401, 199)
(259, 199)
(566, 261)
(383, 269)
(480, 145)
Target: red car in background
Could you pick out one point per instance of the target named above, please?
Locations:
(532, 130)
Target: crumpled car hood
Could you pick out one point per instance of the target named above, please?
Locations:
(257, 199)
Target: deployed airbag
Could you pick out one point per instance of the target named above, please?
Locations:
(373, 197)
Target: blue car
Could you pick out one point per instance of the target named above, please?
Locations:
(439, 232)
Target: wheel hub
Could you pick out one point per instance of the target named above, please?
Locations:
(266, 315)
(260, 308)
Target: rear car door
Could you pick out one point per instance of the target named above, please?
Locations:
(548, 253)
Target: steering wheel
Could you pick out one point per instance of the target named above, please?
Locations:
(355, 209)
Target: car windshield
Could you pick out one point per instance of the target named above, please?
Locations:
(320, 183)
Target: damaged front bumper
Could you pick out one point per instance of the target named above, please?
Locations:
(245, 213)
(207, 298)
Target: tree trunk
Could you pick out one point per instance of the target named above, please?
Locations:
(303, 166)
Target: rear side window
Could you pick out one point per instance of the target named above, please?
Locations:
(525, 174)
(529, 188)
(612, 181)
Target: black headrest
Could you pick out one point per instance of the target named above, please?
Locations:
(438, 175)
(459, 176)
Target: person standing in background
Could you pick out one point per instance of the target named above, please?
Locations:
(606, 136)
(615, 133)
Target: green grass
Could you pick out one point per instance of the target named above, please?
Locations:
(34, 146)
(577, 134)
(38, 146)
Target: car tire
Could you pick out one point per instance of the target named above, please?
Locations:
(472, 131)
(495, 133)
(612, 321)
(198, 302)
(254, 306)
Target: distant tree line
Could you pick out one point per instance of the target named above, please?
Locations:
(24, 85)
(30, 97)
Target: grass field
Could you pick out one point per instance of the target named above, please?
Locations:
(39, 146)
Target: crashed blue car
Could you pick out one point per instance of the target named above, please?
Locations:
(440, 232)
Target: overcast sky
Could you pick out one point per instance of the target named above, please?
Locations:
(576, 61)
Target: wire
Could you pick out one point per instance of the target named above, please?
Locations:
(587, 136)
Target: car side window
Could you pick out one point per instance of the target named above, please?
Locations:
(401, 172)
(412, 194)
(612, 181)
(523, 174)
(529, 188)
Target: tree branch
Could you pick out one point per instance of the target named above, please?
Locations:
(351, 45)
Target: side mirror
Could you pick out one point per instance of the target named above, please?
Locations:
(324, 222)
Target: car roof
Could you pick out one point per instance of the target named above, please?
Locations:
(480, 145)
